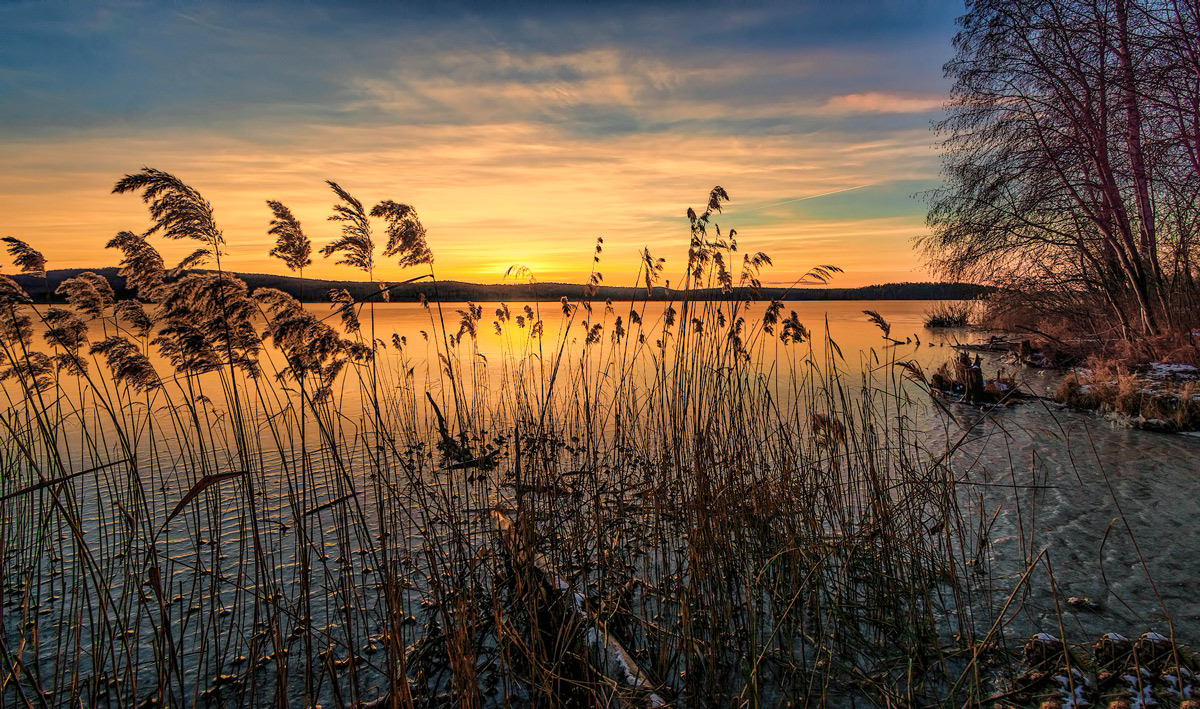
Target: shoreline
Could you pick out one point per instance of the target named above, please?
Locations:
(1163, 397)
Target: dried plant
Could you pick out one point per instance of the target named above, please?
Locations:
(192, 260)
(25, 257)
(771, 316)
(309, 344)
(468, 320)
(65, 331)
(11, 292)
(882, 324)
(32, 370)
(89, 293)
(520, 272)
(291, 243)
(141, 264)
(700, 222)
(820, 275)
(652, 269)
(208, 321)
(178, 210)
(16, 328)
(355, 244)
(129, 365)
(343, 304)
(406, 234)
(186, 347)
(135, 317)
(756, 527)
(793, 330)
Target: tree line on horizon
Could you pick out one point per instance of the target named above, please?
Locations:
(318, 290)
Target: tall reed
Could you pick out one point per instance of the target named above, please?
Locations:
(215, 496)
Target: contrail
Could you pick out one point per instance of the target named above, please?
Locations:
(811, 196)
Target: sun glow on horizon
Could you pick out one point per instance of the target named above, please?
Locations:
(518, 142)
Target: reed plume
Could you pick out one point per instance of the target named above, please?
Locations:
(89, 293)
(11, 292)
(25, 257)
(141, 265)
(129, 365)
(751, 268)
(308, 343)
(653, 269)
(135, 317)
(32, 370)
(406, 234)
(355, 244)
(206, 316)
(771, 316)
(292, 246)
(343, 304)
(882, 324)
(186, 348)
(820, 275)
(192, 260)
(468, 320)
(793, 330)
(66, 331)
(699, 222)
(16, 328)
(178, 210)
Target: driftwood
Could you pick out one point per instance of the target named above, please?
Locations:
(962, 382)
(609, 655)
(994, 344)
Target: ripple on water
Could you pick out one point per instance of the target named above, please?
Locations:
(1111, 511)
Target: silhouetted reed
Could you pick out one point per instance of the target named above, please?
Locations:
(25, 257)
(688, 478)
(291, 245)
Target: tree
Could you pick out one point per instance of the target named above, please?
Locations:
(1069, 153)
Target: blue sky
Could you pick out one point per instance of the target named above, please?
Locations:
(520, 132)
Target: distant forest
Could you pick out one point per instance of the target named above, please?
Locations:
(313, 290)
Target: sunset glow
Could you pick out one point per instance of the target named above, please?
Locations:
(519, 134)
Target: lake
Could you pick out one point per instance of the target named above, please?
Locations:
(224, 537)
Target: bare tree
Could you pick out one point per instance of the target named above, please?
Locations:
(1070, 153)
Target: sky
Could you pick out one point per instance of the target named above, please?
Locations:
(520, 132)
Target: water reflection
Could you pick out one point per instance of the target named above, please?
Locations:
(1057, 503)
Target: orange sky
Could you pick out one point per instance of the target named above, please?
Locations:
(515, 145)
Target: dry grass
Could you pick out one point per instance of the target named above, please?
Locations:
(1108, 386)
(951, 314)
(1071, 329)
(308, 519)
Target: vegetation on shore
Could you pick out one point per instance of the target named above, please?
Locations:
(950, 314)
(1166, 400)
(1071, 165)
(297, 514)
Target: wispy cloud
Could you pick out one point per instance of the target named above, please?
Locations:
(537, 131)
(808, 197)
(882, 102)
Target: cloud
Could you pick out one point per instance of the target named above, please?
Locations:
(516, 134)
(881, 102)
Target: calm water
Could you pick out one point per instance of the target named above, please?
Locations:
(1064, 500)
(1086, 495)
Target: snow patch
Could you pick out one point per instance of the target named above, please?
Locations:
(1165, 370)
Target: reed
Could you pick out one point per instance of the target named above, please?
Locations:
(295, 513)
(950, 314)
